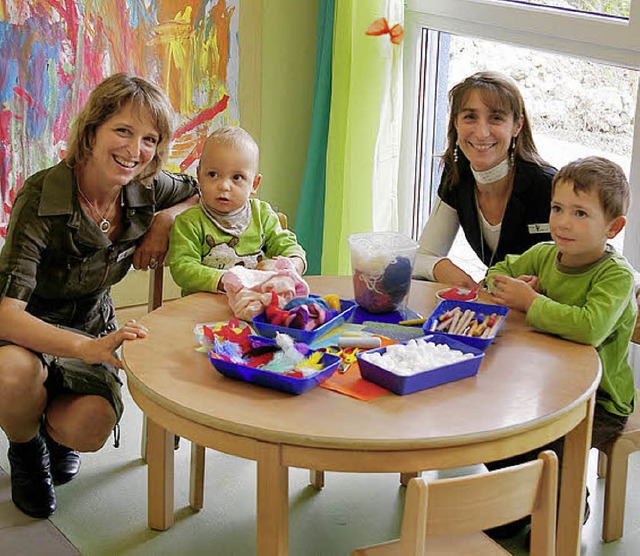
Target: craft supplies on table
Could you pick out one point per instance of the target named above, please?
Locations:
(382, 267)
(277, 381)
(204, 333)
(307, 336)
(442, 374)
(473, 323)
(459, 294)
(360, 315)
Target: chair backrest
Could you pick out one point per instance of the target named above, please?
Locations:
(477, 502)
(156, 276)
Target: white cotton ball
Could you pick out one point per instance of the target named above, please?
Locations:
(416, 356)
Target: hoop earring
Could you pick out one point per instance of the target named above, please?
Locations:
(512, 153)
(455, 153)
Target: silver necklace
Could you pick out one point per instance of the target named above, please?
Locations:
(493, 252)
(480, 227)
(104, 224)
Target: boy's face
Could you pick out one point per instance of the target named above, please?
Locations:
(228, 175)
(579, 225)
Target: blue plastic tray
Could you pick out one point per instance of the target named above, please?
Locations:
(482, 308)
(276, 381)
(361, 315)
(428, 379)
(308, 337)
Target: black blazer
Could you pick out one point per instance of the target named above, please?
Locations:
(526, 216)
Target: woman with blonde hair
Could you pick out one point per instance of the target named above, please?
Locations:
(75, 230)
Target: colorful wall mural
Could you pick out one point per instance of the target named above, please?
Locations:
(55, 51)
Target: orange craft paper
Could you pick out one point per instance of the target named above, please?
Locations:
(350, 383)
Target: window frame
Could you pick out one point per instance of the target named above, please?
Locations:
(596, 37)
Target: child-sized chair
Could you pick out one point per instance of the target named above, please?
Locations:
(612, 465)
(447, 516)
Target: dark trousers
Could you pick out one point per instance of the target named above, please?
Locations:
(606, 427)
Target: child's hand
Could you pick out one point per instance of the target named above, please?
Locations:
(266, 264)
(278, 263)
(531, 280)
(512, 292)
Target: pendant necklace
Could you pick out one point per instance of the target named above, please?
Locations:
(104, 224)
(481, 216)
(493, 252)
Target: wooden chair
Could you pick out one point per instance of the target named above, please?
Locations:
(447, 516)
(613, 461)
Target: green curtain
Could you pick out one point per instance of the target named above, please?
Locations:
(355, 125)
(360, 76)
(310, 214)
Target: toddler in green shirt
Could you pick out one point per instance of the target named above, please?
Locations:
(229, 227)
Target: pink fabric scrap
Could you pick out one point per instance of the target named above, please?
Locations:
(249, 291)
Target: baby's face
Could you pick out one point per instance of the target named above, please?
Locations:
(228, 175)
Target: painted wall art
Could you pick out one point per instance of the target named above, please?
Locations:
(54, 52)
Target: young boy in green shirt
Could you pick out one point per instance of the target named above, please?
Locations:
(579, 288)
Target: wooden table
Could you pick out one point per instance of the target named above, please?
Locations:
(531, 388)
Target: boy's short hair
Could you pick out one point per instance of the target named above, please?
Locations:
(601, 174)
(236, 137)
(109, 97)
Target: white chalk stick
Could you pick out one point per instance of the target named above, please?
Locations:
(364, 342)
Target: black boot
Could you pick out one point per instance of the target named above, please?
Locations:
(65, 462)
(31, 482)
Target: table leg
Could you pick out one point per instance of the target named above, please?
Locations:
(273, 503)
(196, 477)
(160, 476)
(572, 488)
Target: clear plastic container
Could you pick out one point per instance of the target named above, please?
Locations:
(382, 265)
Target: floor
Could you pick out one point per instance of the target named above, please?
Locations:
(103, 511)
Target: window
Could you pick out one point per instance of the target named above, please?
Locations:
(618, 8)
(578, 73)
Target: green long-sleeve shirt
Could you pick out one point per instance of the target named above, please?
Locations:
(592, 305)
(200, 252)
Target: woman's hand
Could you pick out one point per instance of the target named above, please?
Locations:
(152, 250)
(102, 350)
(446, 272)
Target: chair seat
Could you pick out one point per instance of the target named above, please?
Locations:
(477, 544)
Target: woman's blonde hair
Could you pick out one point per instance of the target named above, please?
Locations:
(107, 99)
(497, 91)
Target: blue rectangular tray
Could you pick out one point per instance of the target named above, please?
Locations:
(402, 385)
(482, 308)
(276, 381)
(269, 330)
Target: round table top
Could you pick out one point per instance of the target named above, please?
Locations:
(526, 377)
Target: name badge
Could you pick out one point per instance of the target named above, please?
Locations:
(126, 253)
(539, 228)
